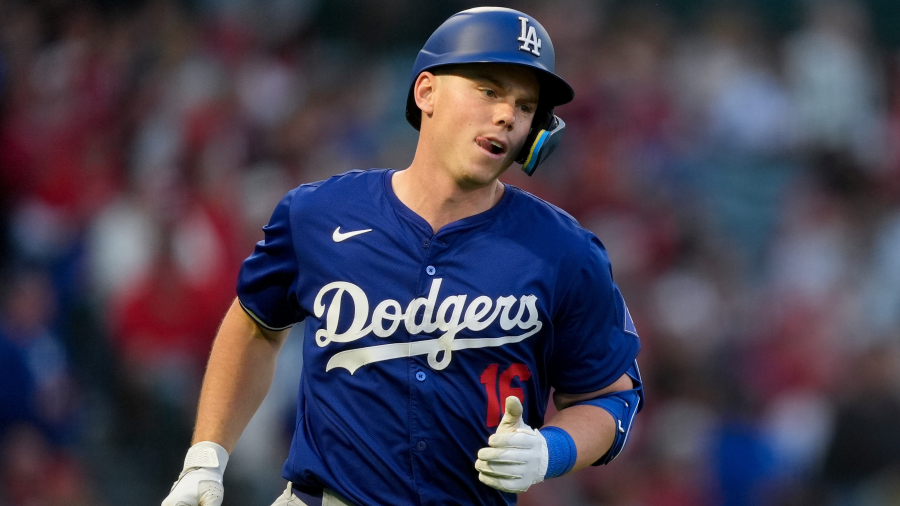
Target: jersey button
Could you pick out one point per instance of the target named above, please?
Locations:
(420, 376)
(421, 446)
(430, 270)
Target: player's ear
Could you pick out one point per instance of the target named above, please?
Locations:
(423, 92)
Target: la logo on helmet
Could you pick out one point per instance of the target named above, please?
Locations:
(529, 38)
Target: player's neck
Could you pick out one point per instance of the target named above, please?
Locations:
(438, 199)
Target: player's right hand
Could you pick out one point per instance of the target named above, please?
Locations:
(200, 481)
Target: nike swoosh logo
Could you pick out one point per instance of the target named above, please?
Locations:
(339, 236)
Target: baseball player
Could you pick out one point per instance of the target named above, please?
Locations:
(441, 306)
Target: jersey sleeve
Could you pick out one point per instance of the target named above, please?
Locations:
(267, 283)
(595, 340)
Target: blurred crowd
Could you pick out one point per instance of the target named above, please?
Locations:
(745, 179)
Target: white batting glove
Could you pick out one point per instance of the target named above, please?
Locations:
(517, 457)
(200, 481)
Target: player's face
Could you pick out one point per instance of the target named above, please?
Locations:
(482, 114)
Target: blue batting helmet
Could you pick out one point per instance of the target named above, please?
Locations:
(500, 35)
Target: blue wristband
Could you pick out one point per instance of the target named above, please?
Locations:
(560, 450)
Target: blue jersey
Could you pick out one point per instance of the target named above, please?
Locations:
(415, 338)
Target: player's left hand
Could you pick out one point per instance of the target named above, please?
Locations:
(517, 457)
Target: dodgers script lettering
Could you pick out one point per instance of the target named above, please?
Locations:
(422, 315)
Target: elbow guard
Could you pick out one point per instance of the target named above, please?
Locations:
(622, 406)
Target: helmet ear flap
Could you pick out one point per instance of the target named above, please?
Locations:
(545, 134)
(542, 119)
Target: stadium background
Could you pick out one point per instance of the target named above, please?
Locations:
(740, 160)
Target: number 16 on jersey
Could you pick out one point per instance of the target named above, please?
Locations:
(498, 388)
